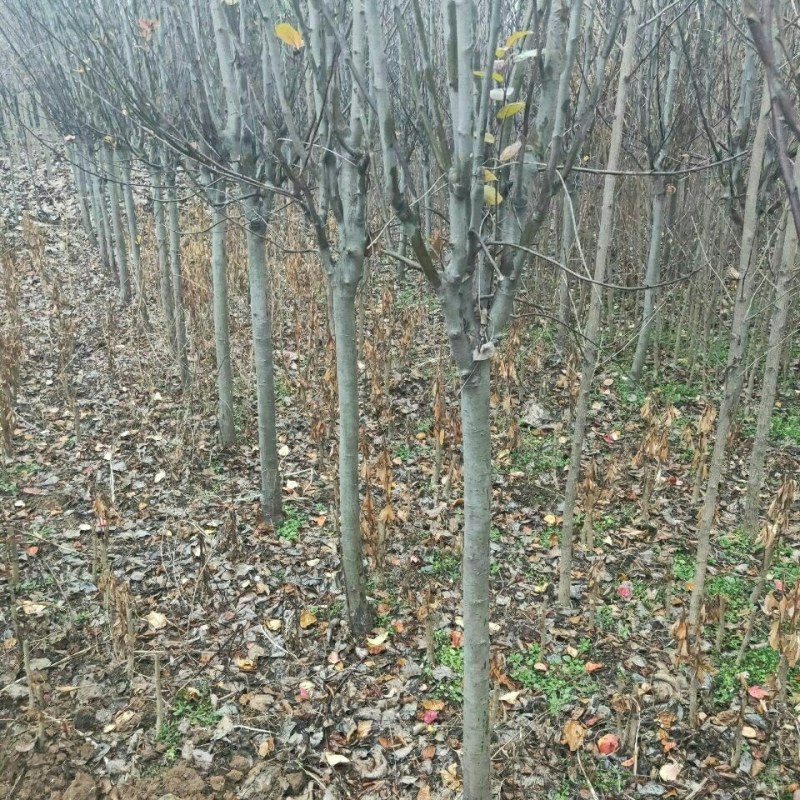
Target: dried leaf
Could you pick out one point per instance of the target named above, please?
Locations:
(573, 734)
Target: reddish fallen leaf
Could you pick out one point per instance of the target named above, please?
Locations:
(430, 717)
(455, 638)
(32, 550)
(608, 744)
(592, 666)
(758, 692)
(624, 591)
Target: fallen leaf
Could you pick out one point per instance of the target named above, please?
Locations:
(307, 619)
(608, 744)
(670, 771)
(335, 759)
(377, 641)
(573, 734)
(156, 620)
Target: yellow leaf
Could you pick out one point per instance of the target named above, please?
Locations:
(488, 176)
(491, 196)
(509, 109)
(516, 36)
(288, 35)
(377, 641)
(496, 76)
(511, 151)
(500, 52)
(488, 138)
(307, 619)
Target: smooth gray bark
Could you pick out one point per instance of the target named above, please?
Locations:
(734, 372)
(592, 330)
(120, 246)
(777, 327)
(261, 318)
(101, 222)
(176, 275)
(653, 270)
(344, 312)
(162, 251)
(81, 189)
(222, 344)
(123, 170)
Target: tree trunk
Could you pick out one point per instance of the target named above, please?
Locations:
(344, 313)
(475, 579)
(592, 331)
(176, 275)
(734, 372)
(162, 249)
(222, 344)
(81, 189)
(261, 317)
(101, 222)
(124, 171)
(116, 223)
(777, 326)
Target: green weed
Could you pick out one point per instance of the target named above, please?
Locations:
(784, 426)
(759, 664)
(562, 684)
(447, 655)
(682, 566)
(444, 565)
(537, 454)
(289, 529)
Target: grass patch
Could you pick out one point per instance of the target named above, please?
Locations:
(447, 684)
(564, 681)
(537, 454)
(682, 566)
(289, 529)
(784, 426)
(735, 589)
(759, 664)
(443, 565)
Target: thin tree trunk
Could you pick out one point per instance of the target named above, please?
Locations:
(81, 189)
(124, 171)
(734, 375)
(344, 312)
(569, 210)
(475, 578)
(261, 317)
(176, 275)
(777, 326)
(222, 344)
(653, 270)
(101, 222)
(595, 308)
(162, 250)
(116, 223)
